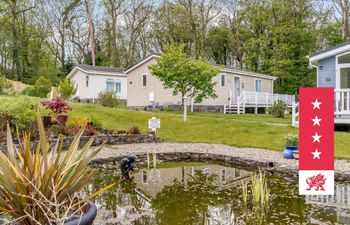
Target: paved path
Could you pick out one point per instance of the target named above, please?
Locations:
(246, 154)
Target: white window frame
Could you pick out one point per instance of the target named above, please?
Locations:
(337, 70)
(120, 86)
(142, 75)
(114, 82)
(255, 86)
(223, 84)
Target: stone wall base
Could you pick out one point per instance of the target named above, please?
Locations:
(196, 108)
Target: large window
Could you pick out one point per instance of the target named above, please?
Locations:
(257, 85)
(144, 80)
(345, 78)
(113, 85)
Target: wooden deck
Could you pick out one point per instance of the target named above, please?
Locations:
(257, 100)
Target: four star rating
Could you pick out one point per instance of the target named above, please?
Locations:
(316, 137)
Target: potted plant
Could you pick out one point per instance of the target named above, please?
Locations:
(44, 186)
(292, 142)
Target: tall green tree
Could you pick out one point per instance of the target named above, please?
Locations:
(190, 78)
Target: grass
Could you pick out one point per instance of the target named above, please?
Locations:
(246, 130)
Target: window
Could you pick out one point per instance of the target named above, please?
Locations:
(118, 87)
(223, 80)
(114, 86)
(144, 80)
(344, 78)
(110, 85)
(257, 85)
(223, 176)
(87, 81)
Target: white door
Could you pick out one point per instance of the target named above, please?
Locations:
(237, 88)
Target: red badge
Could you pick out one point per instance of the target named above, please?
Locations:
(316, 141)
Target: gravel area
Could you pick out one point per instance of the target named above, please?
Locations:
(247, 155)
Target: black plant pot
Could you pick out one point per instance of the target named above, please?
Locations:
(88, 218)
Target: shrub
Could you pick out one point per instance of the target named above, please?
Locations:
(57, 106)
(78, 121)
(42, 87)
(30, 91)
(19, 112)
(292, 140)
(278, 109)
(134, 130)
(43, 186)
(67, 89)
(108, 98)
(4, 84)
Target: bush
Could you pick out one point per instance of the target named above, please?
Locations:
(291, 140)
(278, 109)
(18, 112)
(42, 87)
(67, 89)
(30, 91)
(108, 98)
(134, 130)
(4, 84)
(57, 106)
(78, 121)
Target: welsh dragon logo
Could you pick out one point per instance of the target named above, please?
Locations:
(316, 182)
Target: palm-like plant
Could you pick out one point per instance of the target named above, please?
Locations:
(41, 185)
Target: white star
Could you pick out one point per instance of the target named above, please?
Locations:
(316, 137)
(316, 104)
(316, 121)
(316, 154)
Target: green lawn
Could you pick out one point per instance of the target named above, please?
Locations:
(247, 130)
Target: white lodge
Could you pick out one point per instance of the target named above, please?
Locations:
(91, 80)
(236, 90)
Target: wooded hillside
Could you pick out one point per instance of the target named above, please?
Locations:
(46, 38)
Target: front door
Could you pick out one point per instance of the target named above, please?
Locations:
(237, 88)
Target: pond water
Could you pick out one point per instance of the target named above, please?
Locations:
(206, 193)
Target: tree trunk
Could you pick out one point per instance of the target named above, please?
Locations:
(91, 31)
(15, 39)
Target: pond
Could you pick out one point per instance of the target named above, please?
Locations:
(209, 193)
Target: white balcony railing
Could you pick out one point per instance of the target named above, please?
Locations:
(342, 101)
(258, 98)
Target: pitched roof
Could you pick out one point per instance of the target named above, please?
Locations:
(142, 61)
(101, 68)
(227, 69)
(247, 72)
(329, 49)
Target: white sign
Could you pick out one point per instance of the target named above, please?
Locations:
(153, 123)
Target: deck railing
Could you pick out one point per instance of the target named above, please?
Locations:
(342, 101)
(259, 99)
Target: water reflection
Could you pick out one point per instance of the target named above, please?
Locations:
(198, 193)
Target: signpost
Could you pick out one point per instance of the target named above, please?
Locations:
(316, 145)
(154, 124)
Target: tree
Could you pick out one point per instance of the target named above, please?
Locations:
(185, 76)
(343, 8)
(67, 89)
(218, 44)
(91, 31)
(42, 87)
